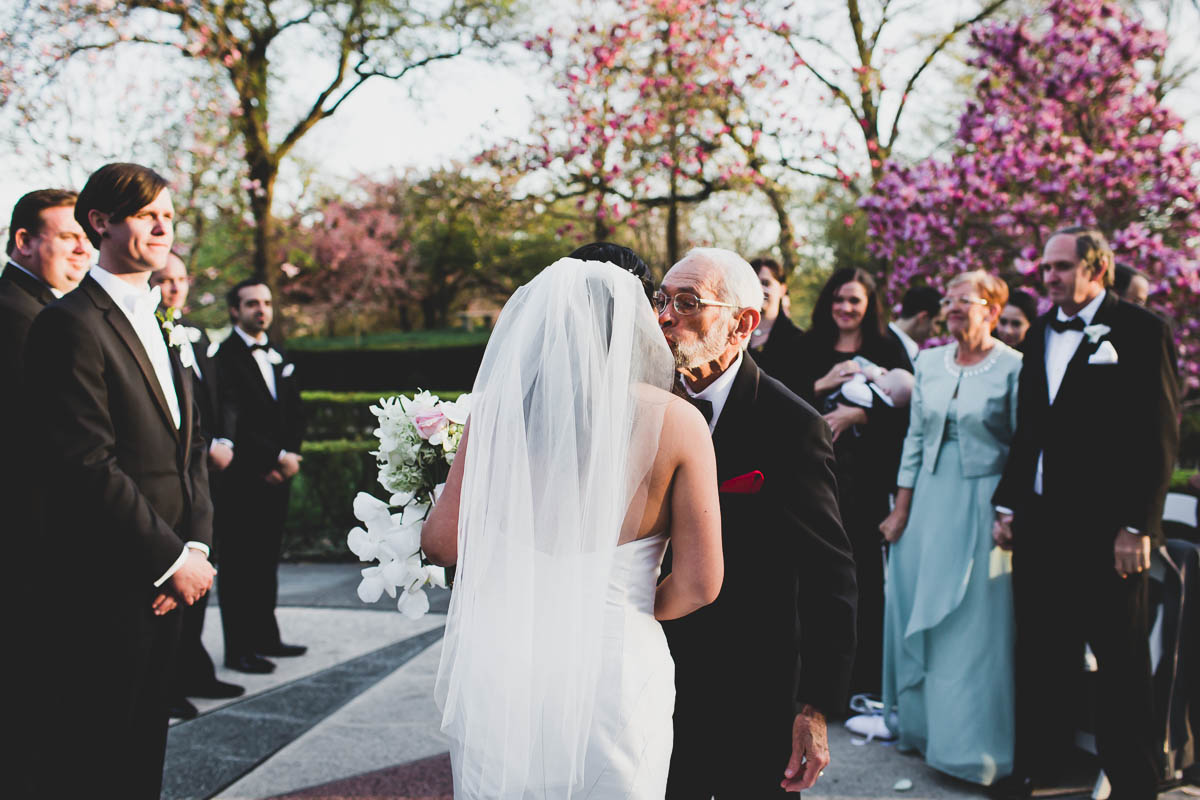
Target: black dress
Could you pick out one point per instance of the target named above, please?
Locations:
(868, 458)
(779, 356)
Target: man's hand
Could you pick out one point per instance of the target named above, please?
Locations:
(810, 751)
(193, 579)
(289, 464)
(843, 418)
(162, 604)
(1131, 553)
(1002, 531)
(274, 477)
(220, 456)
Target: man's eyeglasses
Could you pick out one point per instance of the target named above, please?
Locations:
(685, 303)
(962, 302)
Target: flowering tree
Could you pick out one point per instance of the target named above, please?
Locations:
(342, 44)
(1064, 129)
(653, 115)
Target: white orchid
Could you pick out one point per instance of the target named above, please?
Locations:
(1095, 333)
(413, 604)
(179, 335)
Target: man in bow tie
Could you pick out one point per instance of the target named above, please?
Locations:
(1080, 504)
(194, 673)
(756, 671)
(261, 399)
(128, 529)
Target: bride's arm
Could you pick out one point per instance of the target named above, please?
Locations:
(439, 535)
(697, 566)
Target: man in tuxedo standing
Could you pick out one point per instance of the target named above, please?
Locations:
(195, 675)
(132, 523)
(1080, 503)
(920, 309)
(757, 670)
(260, 395)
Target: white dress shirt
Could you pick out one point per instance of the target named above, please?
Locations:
(139, 305)
(1060, 349)
(261, 357)
(717, 392)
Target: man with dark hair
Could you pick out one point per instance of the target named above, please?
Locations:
(1080, 504)
(120, 435)
(919, 310)
(194, 675)
(261, 399)
(1131, 285)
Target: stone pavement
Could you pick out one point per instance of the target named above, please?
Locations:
(355, 717)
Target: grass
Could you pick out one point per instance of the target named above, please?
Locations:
(392, 340)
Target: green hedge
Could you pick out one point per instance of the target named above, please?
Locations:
(392, 340)
(347, 415)
(321, 511)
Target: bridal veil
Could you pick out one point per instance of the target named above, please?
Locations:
(562, 436)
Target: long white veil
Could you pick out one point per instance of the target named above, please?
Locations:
(562, 435)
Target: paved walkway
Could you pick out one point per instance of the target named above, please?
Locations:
(355, 717)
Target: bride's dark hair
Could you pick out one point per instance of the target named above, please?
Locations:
(623, 257)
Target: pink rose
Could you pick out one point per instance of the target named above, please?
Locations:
(429, 422)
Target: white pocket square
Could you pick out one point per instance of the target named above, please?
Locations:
(1105, 354)
(288, 369)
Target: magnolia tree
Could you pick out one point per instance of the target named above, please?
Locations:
(653, 114)
(320, 52)
(1065, 129)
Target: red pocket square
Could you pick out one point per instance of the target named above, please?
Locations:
(750, 483)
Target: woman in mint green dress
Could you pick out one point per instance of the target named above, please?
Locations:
(948, 626)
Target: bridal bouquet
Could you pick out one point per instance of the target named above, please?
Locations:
(418, 438)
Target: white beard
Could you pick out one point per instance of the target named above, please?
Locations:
(705, 349)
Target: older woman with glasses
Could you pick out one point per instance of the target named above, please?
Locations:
(949, 631)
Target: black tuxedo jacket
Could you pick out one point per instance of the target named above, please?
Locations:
(1110, 439)
(207, 388)
(783, 625)
(21, 298)
(137, 485)
(261, 425)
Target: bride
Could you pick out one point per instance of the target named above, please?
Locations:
(576, 467)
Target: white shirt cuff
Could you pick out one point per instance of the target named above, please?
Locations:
(282, 453)
(1004, 510)
(221, 440)
(1133, 530)
(201, 546)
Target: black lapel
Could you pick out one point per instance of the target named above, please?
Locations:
(120, 324)
(251, 363)
(28, 284)
(183, 393)
(1086, 348)
(729, 434)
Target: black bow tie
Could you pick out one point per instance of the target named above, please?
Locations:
(705, 406)
(265, 347)
(1060, 325)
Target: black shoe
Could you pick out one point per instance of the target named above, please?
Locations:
(282, 650)
(255, 665)
(1012, 787)
(181, 708)
(215, 690)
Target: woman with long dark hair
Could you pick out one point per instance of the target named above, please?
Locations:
(846, 340)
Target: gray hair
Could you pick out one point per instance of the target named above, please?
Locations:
(736, 281)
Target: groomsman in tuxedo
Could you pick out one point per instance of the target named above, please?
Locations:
(260, 395)
(756, 671)
(48, 255)
(127, 533)
(1080, 503)
(194, 673)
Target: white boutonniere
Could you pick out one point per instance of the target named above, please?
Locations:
(287, 370)
(274, 357)
(177, 335)
(1095, 333)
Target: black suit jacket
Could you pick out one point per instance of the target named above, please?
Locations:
(1109, 474)
(137, 485)
(261, 425)
(783, 624)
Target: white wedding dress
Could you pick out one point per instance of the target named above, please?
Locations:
(555, 681)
